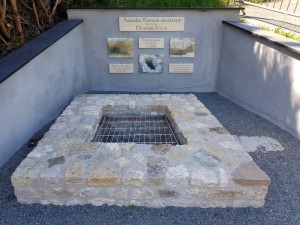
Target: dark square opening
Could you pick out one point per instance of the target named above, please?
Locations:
(140, 129)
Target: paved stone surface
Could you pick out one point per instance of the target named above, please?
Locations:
(211, 168)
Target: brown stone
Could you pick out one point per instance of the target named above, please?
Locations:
(249, 174)
(165, 193)
(161, 149)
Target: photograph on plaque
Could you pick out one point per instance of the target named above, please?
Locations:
(151, 63)
(120, 47)
(182, 47)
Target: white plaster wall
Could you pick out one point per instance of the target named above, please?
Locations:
(204, 25)
(261, 76)
(40, 90)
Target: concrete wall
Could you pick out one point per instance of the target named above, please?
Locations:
(204, 25)
(261, 72)
(37, 92)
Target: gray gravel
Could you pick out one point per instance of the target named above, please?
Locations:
(282, 204)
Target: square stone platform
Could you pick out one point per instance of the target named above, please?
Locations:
(211, 168)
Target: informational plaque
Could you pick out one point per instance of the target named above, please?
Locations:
(151, 23)
(120, 68)
(181, 68)
(151, 42)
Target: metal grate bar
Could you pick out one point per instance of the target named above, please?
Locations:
(136, 128)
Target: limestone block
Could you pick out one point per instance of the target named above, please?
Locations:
(206, 159)
(224, 194)
(143, 193)
(117, 192)
(134, 177)
(122, 162)
(161, 149)
(250, 174)
(89, 192)
(156, 169)
(204, 177)
(104, 176)
(177, 175)
(62, 192)
(75, 172)
(40, 151)
(224, 178)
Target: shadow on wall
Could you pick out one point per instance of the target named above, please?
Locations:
(280, 84)
(262, 77)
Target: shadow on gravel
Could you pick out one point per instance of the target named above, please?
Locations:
(282, 204)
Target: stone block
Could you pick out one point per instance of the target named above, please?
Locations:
(134, 177)
(143, 193)
(249, 174)
(75, 172)
(210, 169)
(204, 177)
(104, 176)
(177, 175)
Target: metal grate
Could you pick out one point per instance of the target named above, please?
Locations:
(136, 128)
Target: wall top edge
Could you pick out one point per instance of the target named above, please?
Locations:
(287, 43)
(150, 8)
(20, 57)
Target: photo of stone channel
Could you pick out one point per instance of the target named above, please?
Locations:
(120, 47)
(182, 47)
(151, 63)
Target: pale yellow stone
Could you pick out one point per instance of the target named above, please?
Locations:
(178, 155)
(75, 172)
(20, 181)
(62, 192)
(104, 176)
(223, 194)
(134, 177)
(249, 174)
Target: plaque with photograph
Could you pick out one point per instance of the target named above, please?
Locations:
(182, 47)
(120, 47)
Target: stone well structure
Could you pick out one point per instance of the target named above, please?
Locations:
(211, 169)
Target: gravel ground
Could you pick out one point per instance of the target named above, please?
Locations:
(282, 203)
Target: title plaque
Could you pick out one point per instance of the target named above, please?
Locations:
(151, 23)
(151, 42)
(120, 68)
(181, 68)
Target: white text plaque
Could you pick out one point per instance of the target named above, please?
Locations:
(151, 42)
(120, 68)
(151, 23)
(181, 68)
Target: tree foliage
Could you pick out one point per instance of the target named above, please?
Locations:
(22, 20)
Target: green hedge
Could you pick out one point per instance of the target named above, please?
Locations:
(149, 3)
